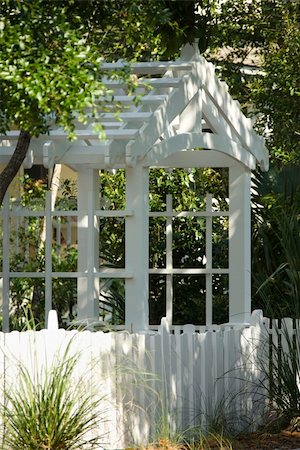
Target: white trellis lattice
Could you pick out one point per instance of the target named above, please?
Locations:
(186, 109)
(169, 271)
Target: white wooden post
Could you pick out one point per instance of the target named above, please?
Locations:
(137, 248)
(5, 265)
(169, 260)
(209, 264)
(239, 244)
(48, 256)
(88, 245)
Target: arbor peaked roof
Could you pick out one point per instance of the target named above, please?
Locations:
(177, 106)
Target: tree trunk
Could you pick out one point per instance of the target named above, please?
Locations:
(15, 162)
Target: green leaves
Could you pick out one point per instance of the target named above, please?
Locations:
(277, 95)
(49, 409)
(263, 34)
(276, 242)
(43, 68)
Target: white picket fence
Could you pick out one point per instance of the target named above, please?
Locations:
(155, 382)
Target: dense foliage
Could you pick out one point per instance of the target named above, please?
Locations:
(276, 242)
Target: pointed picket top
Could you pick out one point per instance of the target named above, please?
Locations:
(52, 324)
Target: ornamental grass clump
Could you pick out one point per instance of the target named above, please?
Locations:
(49, 411)
(280, 293)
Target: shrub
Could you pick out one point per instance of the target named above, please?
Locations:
(49, 410)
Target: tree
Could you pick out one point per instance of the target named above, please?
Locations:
(277, 96)
(51, 54)
(269, 30)
(50, 72)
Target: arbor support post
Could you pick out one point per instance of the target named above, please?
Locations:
(88, 246)
(239, 244)
(137, 249)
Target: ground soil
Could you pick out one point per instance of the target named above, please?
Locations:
(284, 440)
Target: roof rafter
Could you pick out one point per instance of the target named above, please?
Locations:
(176, 102)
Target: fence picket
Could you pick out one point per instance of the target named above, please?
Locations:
(202, 379)
(178, 364)
(287, 332)
(188, 378)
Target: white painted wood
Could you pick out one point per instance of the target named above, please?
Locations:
(48, 255)
(231, 110)
(6, 153)
(159, 67)
(5, 264)
(209, 380)
(78, 153)
(52, 320)
(88, 248)
(287, 331)
(113, 213)
(187, 271)
(209, 262)
(187, 141)
(125, 116)
(48, 154)
(114, 273)
(102, 273)
(146, 99)
(195, 372)
(11, 352)
(58, 236)
(137, 248)
(144, 82)
(190, 120)
(239, 244)
(93, 248)
(169, 259)
(188, 380)
(59, 134)
(164, 115)
(26, 274)
(3, 363)
(214, 119)
(28, 161)
(191, 158)
(189, 214)
(190, 51)
(69, 232)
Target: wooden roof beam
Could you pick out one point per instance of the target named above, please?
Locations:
(189, 141)
(218, 93)
(118, 134)
(163, 116)
(125, 117)
(165, 82)
(150, 68)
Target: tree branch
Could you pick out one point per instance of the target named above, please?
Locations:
(15, 162)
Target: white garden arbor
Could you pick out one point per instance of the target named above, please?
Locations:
(185, 118)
